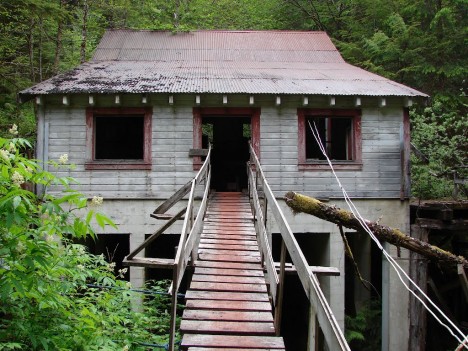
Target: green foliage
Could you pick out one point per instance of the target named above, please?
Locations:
(45, 299)
(363, 331)
(441, 136)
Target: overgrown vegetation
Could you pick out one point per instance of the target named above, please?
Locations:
(54, 295)
(363, 331)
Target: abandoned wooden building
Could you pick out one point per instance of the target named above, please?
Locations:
(136, 120)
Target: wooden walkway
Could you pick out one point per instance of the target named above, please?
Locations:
(227, 305)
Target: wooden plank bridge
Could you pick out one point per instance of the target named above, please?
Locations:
(227, 305)
(234, 301)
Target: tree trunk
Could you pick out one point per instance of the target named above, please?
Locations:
(84, 32)
(300, 203)
(58, 47)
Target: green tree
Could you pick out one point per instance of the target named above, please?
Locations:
(46, 302)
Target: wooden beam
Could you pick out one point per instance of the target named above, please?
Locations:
(198, 152)
(463, 280)
(161, 263)
(155, 235)
(319, 270)
(179, 194)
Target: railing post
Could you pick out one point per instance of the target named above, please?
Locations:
(279, 302)
(312, 340)
(175, 289)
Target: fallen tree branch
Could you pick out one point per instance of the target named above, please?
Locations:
(304, 204)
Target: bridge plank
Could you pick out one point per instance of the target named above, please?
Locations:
(224, 242)
(229, 247)
(228, 279)
(239, 316)
(226, 295)
(228, 287)
(230, 258)
(228, 265)
(227, 327)
(233, 341)
(238, 272)
(228, 305)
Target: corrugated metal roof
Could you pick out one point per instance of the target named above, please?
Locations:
(253, 62)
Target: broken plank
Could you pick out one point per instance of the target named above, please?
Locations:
(162, 263)
(227, 327)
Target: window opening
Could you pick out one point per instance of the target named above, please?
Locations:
(336, 135)
(119, 137)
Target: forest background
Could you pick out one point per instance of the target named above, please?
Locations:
(420, 43)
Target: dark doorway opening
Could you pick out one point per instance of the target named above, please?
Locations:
(114, 247)
(230, 137)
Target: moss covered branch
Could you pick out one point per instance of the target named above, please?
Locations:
(304, 204)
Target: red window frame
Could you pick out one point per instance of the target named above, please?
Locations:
(354, 164)
(200, 112)
(93, 164)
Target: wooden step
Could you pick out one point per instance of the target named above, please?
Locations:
(232, 341)
(226, 295)
(227, 327)
(238, 316)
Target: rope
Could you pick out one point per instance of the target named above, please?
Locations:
(390, 259)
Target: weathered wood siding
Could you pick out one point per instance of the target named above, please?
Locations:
(172, 137)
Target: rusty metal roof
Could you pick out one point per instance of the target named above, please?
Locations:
(252, 62)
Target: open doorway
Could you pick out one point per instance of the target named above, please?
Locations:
(229, 136)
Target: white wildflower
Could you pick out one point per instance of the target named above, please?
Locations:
(97, 201)
(4, 154)
(80, 267)
(122, 272)
(11, 147)
(126, 348)
(63, 159)
(17, 178)
(14, 129)
(111, 266)
(128, 285)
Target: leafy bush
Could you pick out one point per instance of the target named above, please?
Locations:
(46, 302)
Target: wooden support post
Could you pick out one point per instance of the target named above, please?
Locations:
(279, 303)
(312, 340)
(172, 326)
(418, 273)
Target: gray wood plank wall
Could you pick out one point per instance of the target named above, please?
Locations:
(173, 137)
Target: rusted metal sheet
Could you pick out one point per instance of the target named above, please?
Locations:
(250, 62)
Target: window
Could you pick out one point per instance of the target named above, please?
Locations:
(340, 134)
(118, 138)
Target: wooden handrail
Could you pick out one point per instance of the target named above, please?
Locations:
(318, 303)
(189, 238)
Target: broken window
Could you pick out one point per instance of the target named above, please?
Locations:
(339, 131)
(335, 134)
(119, 138)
